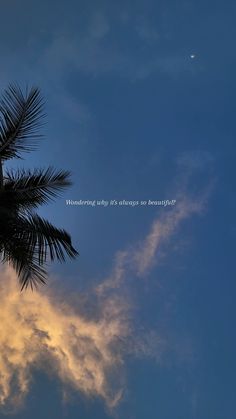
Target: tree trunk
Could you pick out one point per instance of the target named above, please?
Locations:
(1, 174)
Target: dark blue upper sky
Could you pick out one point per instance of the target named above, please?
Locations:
(134, 116)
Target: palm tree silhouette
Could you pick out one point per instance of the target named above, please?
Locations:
(27, 241)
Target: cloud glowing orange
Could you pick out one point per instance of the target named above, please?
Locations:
(35, 329)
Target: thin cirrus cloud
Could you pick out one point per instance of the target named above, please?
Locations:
(94, 48)
(92, 56)
(140, 258)
(85, 352)
(95, 51)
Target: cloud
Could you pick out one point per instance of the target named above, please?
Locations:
(195, 159)
(94, 56)
(139, 259)
(146, 31)
(162, 229)
(94, 51)
(39, 330)
(98, 26)
(85, 345)
(97, 45)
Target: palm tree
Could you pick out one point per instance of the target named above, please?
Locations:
(27, 241)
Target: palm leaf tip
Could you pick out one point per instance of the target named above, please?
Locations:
(55, 241)
(21, 255)
(31, 277)
(46, 239)
(20, 117)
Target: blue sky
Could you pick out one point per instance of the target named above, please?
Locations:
(134, 117)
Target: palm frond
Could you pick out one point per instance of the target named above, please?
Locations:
(41, 236)
(48, 239)
(21, 256)
(20, 118)
(27, 241)
(31, 189)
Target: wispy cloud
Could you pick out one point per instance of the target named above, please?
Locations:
(139, 259)
(146, 31)
(195, 160)
(94, 57)
(95, 51)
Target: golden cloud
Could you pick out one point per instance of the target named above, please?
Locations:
(37, 331)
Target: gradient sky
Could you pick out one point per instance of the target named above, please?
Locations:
(135, 117)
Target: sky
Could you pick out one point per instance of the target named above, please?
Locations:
(139, 99)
